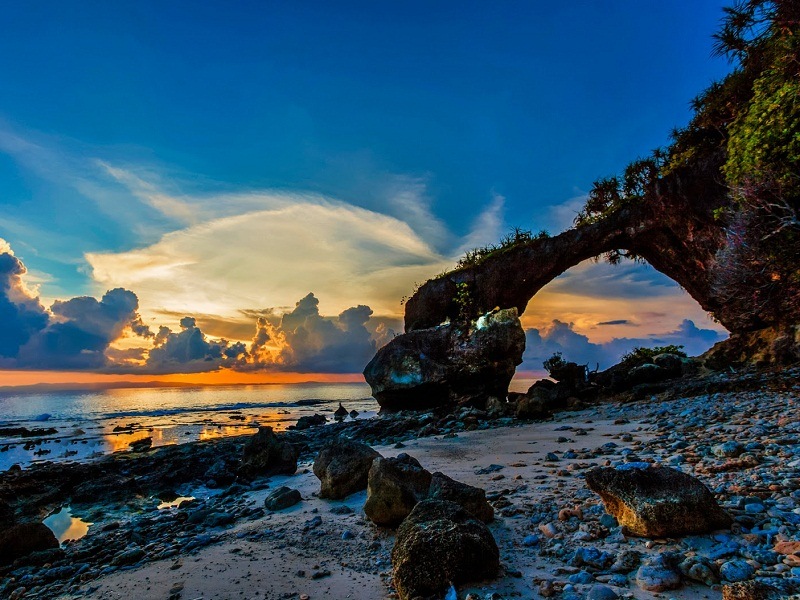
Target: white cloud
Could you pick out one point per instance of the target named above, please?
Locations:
(260, 258)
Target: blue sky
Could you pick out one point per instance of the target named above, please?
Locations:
(135, 132)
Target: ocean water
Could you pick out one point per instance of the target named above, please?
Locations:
(85, 422)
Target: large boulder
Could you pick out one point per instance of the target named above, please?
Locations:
(449, 363)
(657, 501)
(24, 538)
(342, 468)
(472, 499)
(440, 543)
(394, 487)
(267, 454)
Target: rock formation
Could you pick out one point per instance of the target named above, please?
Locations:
(342, 468)
(657, 501)
(448, 363)
(438, 544)
(267, 454)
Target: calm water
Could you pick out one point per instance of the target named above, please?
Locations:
(85, 421)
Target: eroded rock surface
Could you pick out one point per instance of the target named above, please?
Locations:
(657, 501)
(395, 486)
(470, 498)
(268, 454)
(438, 544)
(448, 363)
(342, 468)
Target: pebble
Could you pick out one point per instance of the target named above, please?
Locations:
(736, 570)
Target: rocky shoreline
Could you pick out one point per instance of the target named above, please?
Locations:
(554, 535)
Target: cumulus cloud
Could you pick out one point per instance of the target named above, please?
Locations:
(562, 337)
(21, 314)
(73, 334)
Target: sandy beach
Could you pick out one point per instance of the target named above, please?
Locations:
(531, 471)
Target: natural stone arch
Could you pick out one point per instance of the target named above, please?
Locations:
(677, 236)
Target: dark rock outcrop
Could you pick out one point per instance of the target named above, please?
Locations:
(438, 544)
(657, 501)
(309, 421)
(470, 498)
(281, 498)
(267, 454)
(394, 488)
(23, 539)
(448, 363)
(759, 590)
(342, 468)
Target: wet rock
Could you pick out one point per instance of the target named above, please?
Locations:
(141, 445)
(438, 544)
(448, 363)
(472, 499)
(394, 487)
(221, 473)
(657, 501)
(341, 412)
(658, 575)
(342, 468)
(268, 454)
(24, 538)
(128, 557)
(283, 497)
(310, 421)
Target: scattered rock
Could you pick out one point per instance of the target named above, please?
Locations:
(658, 575)
(657, 501)
(268, 454)
(340, 412)
(342, 468)
(24, 538)
(438, 544)
(394, 487)
(472, 499)
(283, 497)
(310, 421)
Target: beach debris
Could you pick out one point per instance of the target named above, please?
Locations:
(438, 545)
(657, 501)
(394, 487)
(342, 468)
(282, 498)
(268, 454)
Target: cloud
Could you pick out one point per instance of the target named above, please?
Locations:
(21, 314)
(561, 337)
(616, 322)
(73, 334)
(262, 257)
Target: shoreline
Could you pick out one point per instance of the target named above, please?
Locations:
(261, 553)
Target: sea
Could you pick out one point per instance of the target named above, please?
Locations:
(91, 424)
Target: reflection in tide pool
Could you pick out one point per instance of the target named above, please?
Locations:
(175, 503)
(66, 527)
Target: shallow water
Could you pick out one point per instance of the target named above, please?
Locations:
(65, 526)
(86, 421)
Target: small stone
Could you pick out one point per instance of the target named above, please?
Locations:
(658, 576)
(282, 498)
(736, 570)
(601, 592)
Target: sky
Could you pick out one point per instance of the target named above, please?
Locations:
(245, 191)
